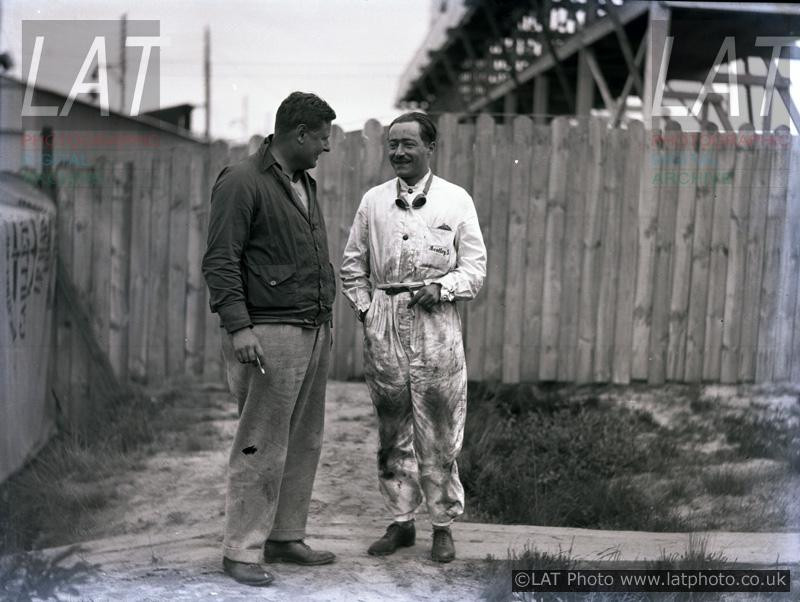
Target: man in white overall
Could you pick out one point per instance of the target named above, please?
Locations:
(415, 247)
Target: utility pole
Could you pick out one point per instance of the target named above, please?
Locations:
(122, 62)
(207, 78)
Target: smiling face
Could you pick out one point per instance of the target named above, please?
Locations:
(409, 155)
(311, 144)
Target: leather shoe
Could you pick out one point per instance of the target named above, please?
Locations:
(248, 573)
(443, 549)
(296, 552)
(397, 535)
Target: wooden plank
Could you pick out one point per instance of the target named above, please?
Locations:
(345, 346)
(609, 272)
(139, 270)
(534, 254)
(464, 162)
(580, 154)
(759, 195)
(65, 182)
(591, 251)
(554, 237)
(330, 192)
(86, 189)
(482, 196)
(688, 171)
(773, 239)
(522, 132)
(737, 255)
(213, 363)
(701, 255)
(195, 286)
(447, 128)
(789, 271)
(120, 266)
(647, 222)
(101, 251)
(159, 270)
(623, 322)
(792, 355)
(665, 240)
(374, 145)
(496, 245)
(718, 267)
(178, 263)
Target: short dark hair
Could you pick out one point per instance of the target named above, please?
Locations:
(302, 107)
(427, 129)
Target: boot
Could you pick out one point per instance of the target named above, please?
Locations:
(246, 572)
(296, 552)
(443, 549)
(397, 535)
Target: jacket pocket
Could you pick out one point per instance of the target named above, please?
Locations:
(439, 251)
(272, 285)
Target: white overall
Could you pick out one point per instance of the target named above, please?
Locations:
(414, 359)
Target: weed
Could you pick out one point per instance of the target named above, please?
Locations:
(55, 498)
(726, 481)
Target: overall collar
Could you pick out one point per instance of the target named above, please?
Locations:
(416, 188)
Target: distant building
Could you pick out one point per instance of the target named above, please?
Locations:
(85, 134)
(179, 115)
(572, 57)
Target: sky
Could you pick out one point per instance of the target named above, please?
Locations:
(350, 52)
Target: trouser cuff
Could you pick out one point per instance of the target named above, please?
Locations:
(244, 554)
(287, 535)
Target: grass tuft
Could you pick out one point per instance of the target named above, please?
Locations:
(56, 498)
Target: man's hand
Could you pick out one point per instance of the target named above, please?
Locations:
(427, 296)
(246, 346)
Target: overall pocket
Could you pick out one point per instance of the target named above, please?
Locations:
(272, 285)
(438, 254)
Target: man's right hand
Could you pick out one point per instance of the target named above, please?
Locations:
(246, 346)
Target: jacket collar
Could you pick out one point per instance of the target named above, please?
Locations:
(266, 160)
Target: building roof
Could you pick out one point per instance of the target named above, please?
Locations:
(142, 120)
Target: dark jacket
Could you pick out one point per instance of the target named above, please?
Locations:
(266, 260)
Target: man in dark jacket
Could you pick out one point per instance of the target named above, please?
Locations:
(271, 282)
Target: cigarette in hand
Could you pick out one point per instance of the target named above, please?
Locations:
(260, 367)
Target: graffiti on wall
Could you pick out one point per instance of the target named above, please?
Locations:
(28, 263)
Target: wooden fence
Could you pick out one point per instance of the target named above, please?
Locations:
(131, 235)
(614, 254)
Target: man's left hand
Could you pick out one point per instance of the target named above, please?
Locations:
(427, 296)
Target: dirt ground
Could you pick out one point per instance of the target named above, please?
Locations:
(160, 536)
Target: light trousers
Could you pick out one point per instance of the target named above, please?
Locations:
(417, 377)
(278, 439)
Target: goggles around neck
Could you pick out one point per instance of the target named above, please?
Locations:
(418, 201)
